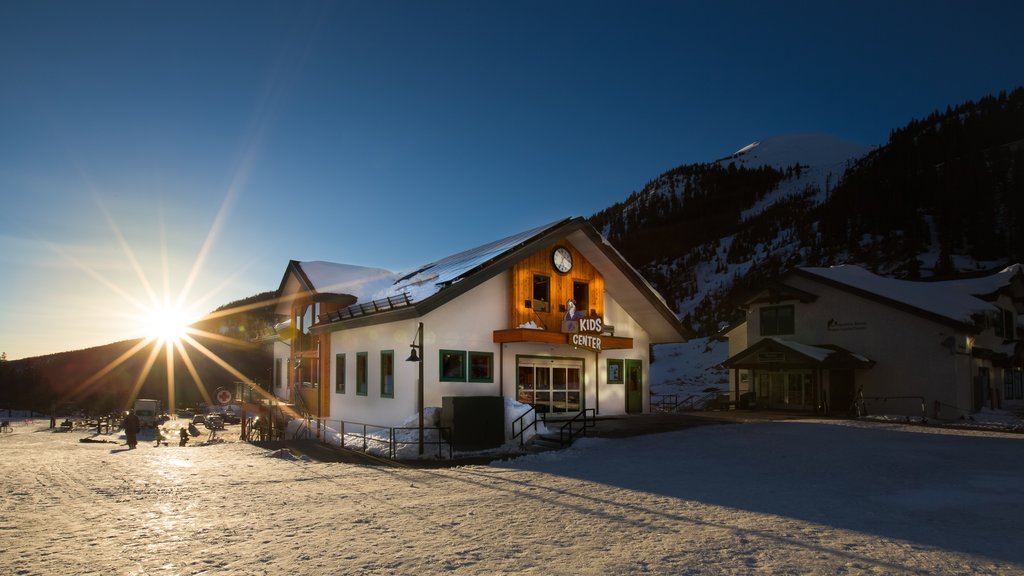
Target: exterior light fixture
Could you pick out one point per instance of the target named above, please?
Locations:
(416, 355)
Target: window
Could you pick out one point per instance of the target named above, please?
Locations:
(453, 366)
(361, 382)
(1008, 325)
(996, 320)
(339, 373)
(581, 295)
(777, 320)
(481, 367)
(541, 292)
(278, 364)
(1013, 384)
(387, 374)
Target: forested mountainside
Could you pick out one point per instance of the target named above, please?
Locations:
(943, 197)
(99, 379)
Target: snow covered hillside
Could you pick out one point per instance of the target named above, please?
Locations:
(822, 158)
(808, 497)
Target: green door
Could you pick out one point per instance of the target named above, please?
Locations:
(634, 386)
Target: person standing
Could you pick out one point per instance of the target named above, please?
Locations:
(131, 429)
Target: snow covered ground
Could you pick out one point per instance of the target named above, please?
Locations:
(810, 497)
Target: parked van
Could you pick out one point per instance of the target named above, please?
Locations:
(148, 412)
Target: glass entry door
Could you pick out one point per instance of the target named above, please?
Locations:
(550, 384)
(786, 390)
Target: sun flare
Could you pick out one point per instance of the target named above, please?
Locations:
(166, 324)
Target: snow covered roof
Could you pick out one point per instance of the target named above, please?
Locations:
(426, 280)
(956, 300)
(426, 287)
(358, 281)
(825, 356)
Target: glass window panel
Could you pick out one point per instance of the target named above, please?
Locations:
(361, 374)
(481, 367)
(573, 379)
(453, 366)
(387, 374)
(558, 378)
(339, 373)
(541, 288)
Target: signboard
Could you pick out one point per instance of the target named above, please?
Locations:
(834, 325)
(223, 396)
(771, 356)
(583, 331)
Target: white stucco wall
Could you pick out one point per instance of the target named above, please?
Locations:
(467, 323)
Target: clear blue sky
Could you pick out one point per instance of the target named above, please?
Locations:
(142, 141)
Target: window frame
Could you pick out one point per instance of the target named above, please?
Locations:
(441, 366)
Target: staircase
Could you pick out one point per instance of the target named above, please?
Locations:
(561, 432)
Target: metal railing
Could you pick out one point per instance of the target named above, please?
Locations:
(672, 403)
(573, 427)
(363, 437)
(440, 442)
(666, 402)
(523, 425)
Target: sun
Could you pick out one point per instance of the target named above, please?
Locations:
(166, 323)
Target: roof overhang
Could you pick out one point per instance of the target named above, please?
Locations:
(774, 353)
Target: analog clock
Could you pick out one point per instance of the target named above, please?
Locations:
(562, 259)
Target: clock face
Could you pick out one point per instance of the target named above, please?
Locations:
(562, 259)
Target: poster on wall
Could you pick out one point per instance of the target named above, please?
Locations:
(615, 372)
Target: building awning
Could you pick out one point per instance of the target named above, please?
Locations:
(776, 353)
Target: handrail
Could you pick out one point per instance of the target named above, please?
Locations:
(365, 433)
(440, 442)
(672, 400)
(570, 424)
(366, 436)
(522, 426)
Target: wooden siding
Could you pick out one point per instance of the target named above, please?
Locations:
(561, 288)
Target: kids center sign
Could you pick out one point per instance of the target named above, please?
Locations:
(584, 332)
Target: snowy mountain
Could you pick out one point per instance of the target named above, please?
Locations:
(822, 159)
(716, 223)
(943, 197)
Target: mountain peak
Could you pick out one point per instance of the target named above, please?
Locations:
(810, 149)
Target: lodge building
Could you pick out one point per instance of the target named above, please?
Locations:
(843, 339)
(552, 317)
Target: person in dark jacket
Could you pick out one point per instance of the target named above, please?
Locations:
(131, 429)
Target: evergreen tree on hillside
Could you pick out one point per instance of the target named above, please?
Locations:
(950, 184)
